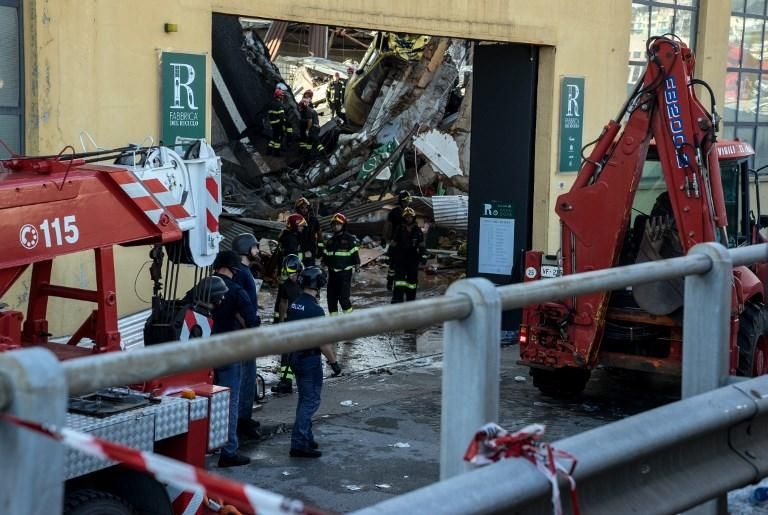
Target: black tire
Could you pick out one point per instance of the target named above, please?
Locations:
(94, 502)
(753, 341)
(561, 382)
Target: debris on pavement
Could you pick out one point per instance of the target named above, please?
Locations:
(348, 403)
(385, 486)
(401, 445)
(520, 379)
(354, 488)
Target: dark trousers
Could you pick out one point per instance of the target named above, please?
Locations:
(406, 281)
(275, 144)
(339, 290)
(247, 389)
(309, 380)
(229, 376)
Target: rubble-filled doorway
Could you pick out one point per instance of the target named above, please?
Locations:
(501, 163)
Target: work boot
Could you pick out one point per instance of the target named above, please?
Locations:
(248, 429)
(390, 283)
(233, 460)
(336, 369)
(305, 453)
(284, 386)
(314, 445)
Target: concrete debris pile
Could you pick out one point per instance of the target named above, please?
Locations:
(405, 125)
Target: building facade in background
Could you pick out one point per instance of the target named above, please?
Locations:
(71, 66)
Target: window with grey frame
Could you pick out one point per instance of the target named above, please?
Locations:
(654, 18)
(746, 82)
(11, 78)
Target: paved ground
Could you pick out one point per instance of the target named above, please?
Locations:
(387, 442)
(378, 425)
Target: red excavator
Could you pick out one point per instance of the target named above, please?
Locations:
(653, 186)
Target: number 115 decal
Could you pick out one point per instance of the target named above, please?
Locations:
(54, 233)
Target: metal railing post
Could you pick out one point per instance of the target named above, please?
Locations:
(706, 333)
(470, 391)
(706, 323)
(32, 466)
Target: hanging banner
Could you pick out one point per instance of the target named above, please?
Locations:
(183, 96)
(571, 123)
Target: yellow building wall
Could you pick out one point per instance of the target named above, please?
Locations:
(94, 65)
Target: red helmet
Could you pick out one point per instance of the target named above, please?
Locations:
(279, 93)
(295, 221)
(338, 218)
(308, 93)
(350, 70)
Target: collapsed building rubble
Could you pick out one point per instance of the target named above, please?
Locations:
(405, 126)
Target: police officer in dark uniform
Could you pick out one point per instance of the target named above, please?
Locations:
(247, 248)
(235, 312)
(394, 220)
(407, 251)
(307, 366)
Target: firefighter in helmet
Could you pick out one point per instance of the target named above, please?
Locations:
(277, 122)
(288, 291)
(336, 90)
(311, 237)
(341, 257)
(291, 238)
(407, 252)
(309, 125)
(394, 220)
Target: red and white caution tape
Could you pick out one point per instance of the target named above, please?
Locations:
(166, 470)
(492, 443)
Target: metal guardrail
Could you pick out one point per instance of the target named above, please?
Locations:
(471, 311)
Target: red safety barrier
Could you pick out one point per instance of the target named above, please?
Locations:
(222, 495)
(492, 443)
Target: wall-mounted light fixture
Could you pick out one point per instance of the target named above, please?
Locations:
(171, 27)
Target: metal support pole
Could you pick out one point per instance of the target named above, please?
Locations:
(706, 328)
(706, 323)
(470, 356)
(32, 466)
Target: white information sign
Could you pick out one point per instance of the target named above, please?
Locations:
(496, 247)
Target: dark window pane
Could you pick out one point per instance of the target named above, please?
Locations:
(9, 57)
(755, 7)
(737, 6)
(731, 96)
(746, 134)
(734, 41)
(753, 43)
(684, 26)
(761, 148)
(762, 109)
(662, 19)
(748, 87)
(10, 134)
(639, 26)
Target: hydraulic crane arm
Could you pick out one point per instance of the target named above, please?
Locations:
(595, 213)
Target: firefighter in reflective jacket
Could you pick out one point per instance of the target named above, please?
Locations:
(336, 90)
(341, 257)
(290, 239)
(277, 121)
(406, 252)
